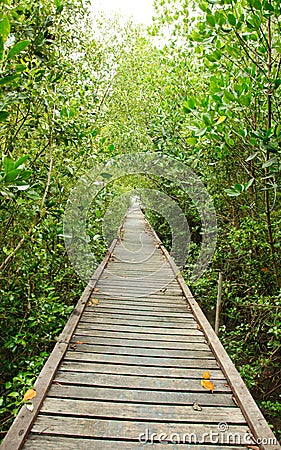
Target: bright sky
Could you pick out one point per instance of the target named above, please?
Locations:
(141, 10)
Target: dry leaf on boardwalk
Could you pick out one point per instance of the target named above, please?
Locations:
(95, 301)
(96, 289)
(207, 384)
(30, 393)
(206, 375)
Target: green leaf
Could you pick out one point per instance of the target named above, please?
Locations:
(257, 4)
(12, 175)
(245, 100)
(20, 161)
(192, 141)
(191, 103)
(251, 157)
(231, 19)
(8, 164)
(111, 147)
(106, 175)
(239, 187)
(8, 79)
(33, 195)
(4, 27)
(211, 20)
(269, 162)
(232, 192)
(17, 48)
(229, 96)
(25, 174)
(249, 184)
(201, 132)
(207, 119)
(3, 115)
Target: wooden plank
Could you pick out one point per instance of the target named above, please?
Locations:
(129, 292)
(154, 324)
(38, 442)
(138, 285)
(172, 345)
(252, 413)
(131, 305)
(139, 396)
(126, 369)
(137, 382)
(208, 361)
(96, 315)
(163, 413)
(98, 428)
(141, 351)
(131, 314)
(23, 422)
(186, 331)
(153, 300)
(189, 338)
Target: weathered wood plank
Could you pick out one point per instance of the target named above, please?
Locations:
(163, 413)
(126, 369)
(141, 351)
(181, 316)
(131, 305)
(37, 442)
(188, 338)
(209, 362)
(98, 428)
(168, 324)
(187, 330)
(139, 396)
(172, 345)
(132, 319)
(137, 382)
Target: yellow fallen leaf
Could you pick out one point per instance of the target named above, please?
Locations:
(207, 384)
(220, 120)
(30, 393)
(95, 301)
(206, 375)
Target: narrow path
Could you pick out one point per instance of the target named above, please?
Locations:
(131, 374)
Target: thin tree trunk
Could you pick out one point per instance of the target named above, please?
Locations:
(269, 124)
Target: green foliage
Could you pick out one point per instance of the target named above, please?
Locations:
(74, 95)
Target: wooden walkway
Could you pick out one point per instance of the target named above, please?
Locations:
(126, 372)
